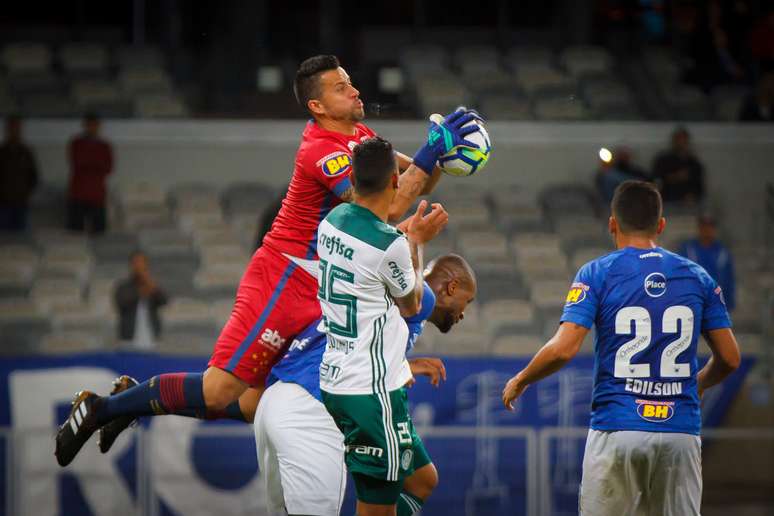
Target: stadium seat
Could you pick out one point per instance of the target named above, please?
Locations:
(561, 108)
(67, 342)
(422, 59)
(144, 81)
(727, 101)
(549, 294)
(688, 102)
(584, 59)
(516, 345)
(186, 342)
(84, 59)
(470, 216)
(478, 244)
(187, 314)
(114, 246)
(218, 281)
(220, 310)
(101, 96)
(26, 58)
(161, 105)
(247, 198)
(543, 79)
(440, 93)
(48, 105)
(528, 55)
(510, 313)
(48, 293)
(492, 82)
(139, 57)
(505, 107)
(583, 255)
(482, 59)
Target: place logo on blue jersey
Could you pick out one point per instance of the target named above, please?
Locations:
(655, 411)
(335, 164)
(655, 284)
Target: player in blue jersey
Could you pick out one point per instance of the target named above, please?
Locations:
(300, 448)
(643, 452)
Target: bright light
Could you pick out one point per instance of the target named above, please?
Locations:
(605, 155)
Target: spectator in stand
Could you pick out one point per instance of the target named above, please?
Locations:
(614, 169)
(138, 299)
(679, 174)
(18, 177)
(91, 161)
(710, 253)
(759, 107)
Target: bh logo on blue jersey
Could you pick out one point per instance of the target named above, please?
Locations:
(655, 284)
(655, 411)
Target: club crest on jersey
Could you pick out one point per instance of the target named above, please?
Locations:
(577, 293)
(655, 411)
(335, 164)
(655, 284)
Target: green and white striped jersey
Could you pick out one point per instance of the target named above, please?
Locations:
(364, 265)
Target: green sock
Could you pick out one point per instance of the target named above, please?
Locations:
(408, 504)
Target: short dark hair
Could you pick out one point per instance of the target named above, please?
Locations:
(306, 85)
(373, 164)
(637, 207)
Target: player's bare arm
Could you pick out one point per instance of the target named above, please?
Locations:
(724, 360)
(412, 183)
(420, 229)
(562, 347)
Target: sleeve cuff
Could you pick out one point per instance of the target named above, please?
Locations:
(717, 323)
(342, 186)
(578, 319)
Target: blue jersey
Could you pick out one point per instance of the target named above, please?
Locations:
(301, 364)
(649, 307)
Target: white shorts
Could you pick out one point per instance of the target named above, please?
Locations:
(631, 473)
(300, 453)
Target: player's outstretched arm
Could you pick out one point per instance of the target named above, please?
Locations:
(420, 229)
(724, 360)
(443, 135)
(564, 345)
(413, 182)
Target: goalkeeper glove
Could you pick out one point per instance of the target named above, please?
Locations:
(444, 134)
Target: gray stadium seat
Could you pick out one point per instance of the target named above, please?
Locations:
(84, 59)
(583, 59)
(25, 58)
(48, 106)
(161, 105)
(247, 198)
(527, 55)
(561, 108)
(505, 107)
(689, 103)
(516, 345)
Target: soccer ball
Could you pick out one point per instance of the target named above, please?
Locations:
(463, 160)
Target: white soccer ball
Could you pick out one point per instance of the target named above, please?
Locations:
(463, 160)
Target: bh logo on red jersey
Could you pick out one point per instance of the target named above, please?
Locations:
(655, 411)
(335, 164)
(272, 338)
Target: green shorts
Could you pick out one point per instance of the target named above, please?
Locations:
(379, 441)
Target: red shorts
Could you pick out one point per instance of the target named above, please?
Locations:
(275, 300)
